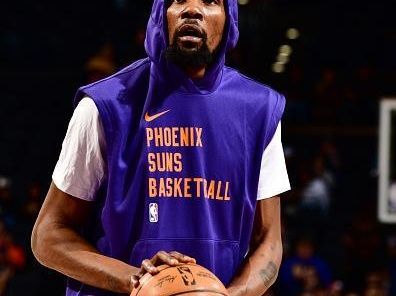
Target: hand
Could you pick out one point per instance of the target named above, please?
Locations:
(149, 265)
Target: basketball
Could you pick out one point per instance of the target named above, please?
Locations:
(185, 279)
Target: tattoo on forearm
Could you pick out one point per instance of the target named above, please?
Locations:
(268, 274)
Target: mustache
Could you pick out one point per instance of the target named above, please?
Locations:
(190, 26)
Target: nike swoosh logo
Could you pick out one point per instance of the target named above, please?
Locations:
(149, 118)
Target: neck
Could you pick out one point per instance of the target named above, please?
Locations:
(195, 73)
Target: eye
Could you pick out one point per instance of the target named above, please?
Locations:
(211, 1)
(170, 2)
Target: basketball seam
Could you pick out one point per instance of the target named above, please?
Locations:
(199, 290)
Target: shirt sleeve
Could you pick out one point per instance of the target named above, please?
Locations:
(81, 167)
(273, 179)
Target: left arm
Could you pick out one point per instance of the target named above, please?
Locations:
(261, 266)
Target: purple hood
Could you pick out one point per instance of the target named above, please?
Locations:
(157, 41)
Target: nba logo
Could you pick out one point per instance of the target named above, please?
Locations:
(153, 212)
(187, 275)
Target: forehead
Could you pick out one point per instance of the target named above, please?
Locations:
(168, 3)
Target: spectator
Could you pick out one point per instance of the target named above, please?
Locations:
(304, 272)
(376, 284)
(315, 200)
(101, 64)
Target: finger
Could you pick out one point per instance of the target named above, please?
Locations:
(148, 266)
(157, 258)
(177, 255)
(135, 281)
(167, 258)
(141, 273)
(182, 258)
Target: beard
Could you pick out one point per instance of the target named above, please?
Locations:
(189, 57)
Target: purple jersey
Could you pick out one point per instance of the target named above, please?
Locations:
(183, 158)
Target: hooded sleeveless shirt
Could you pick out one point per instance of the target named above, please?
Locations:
(183, 157)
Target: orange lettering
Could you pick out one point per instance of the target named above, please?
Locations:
(167, 137)
(192, 136)
(218, 196)
(175, 143)
(211, 189)
(176, 187)
(169, 162)
(151, 161)
(199, 135)
(178, 163)
(198, 181)
(168, 187)
(226, 196)
(159, 141)
(184, 138)
(152, 187)
(161, 162)
(149, 135)
(187, 187)
(205, 188)
(161, 190)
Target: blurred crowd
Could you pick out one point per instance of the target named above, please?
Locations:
(20, 274)
(333, 242)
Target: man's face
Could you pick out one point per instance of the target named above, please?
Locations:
(195, 26)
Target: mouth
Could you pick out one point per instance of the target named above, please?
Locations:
(190, 35)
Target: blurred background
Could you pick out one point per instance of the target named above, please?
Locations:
(333, 60)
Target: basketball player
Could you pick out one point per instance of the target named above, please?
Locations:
(175, 158)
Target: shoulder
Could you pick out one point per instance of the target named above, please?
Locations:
(253, 92)
(85, 106)
(85, 119)
(234, 75)
(249, 84)
(86, 112)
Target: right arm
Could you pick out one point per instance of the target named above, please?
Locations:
(57, 244)
(56, 240)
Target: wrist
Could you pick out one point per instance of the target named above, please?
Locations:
(130, 280)
(235, 290)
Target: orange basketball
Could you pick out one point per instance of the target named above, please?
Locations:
(184, 279)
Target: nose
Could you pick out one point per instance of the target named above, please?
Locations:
(192, 10)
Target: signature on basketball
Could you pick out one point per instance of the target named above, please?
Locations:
(205, 275)
(166, 279)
